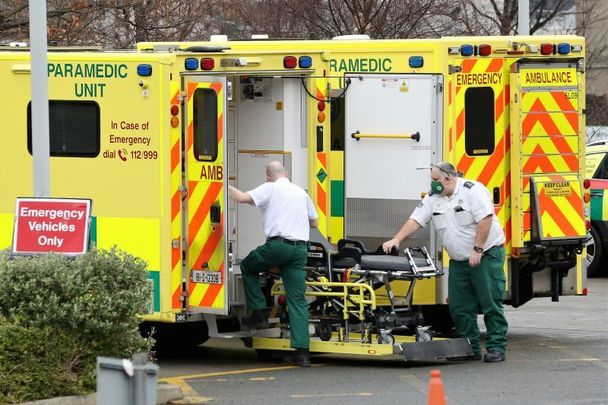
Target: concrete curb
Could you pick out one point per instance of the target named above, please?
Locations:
(164, 394)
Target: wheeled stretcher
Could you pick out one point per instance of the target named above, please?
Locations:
(345, 310)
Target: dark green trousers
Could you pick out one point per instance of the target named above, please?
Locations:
(291, 261)
(482, 286)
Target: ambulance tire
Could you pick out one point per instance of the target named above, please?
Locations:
(595, 252)
(173, 338)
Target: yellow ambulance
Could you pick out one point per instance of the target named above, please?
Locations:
(154, 136)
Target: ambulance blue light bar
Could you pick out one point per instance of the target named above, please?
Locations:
(191, 63)
(416, 61)
(467, 50)
(144, 70)
(304, 62)
(563, 49)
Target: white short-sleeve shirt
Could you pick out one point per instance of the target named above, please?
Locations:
(456, 217)
(286, 209)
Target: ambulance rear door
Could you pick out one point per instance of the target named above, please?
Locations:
(204, 198)
(547, 152)
(393, 132)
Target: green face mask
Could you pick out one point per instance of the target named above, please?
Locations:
(436, 187)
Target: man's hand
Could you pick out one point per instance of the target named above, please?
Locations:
(475, 259)
(389, 245)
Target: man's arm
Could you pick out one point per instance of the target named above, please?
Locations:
(239, 196)
(406, 230)
(314, 223)
(481, 235)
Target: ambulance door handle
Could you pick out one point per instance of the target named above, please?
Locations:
(496, 195)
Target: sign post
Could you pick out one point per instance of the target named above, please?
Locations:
(58, 225)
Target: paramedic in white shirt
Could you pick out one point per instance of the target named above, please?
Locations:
(463, 214)
(288, 214)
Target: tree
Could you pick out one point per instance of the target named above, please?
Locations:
(499, 17)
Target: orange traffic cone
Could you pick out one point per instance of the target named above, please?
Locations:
(436, 394)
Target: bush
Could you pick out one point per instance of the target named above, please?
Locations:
(69, 311)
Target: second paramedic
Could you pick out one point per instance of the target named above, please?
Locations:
(288, 214)
(463, 214)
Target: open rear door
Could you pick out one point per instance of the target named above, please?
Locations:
(204, 225)
(546, 154)
(392, 127)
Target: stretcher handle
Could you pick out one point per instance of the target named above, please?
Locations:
(357, 135)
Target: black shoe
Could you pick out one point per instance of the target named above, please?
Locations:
(301, 357)
(257, 320)
(470, 357)
(494, 356)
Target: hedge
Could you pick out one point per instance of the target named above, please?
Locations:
(60, 313)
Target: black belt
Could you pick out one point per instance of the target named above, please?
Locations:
(288, 241)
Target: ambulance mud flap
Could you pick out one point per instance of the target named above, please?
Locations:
(436, 349)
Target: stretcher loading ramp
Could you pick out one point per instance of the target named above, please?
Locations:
(440, 349)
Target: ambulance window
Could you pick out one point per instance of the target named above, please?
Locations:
(73, 128)
(479, 121)
(205, 125)
(337, 123)
(602, 169)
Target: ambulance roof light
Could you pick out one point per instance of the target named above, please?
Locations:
(416, 61)
(577, 48)
(290, 62)
(191, 63)
(144, 70)
(207, 63)
(563, 49)
(466, 50)
(546, 49)
(485, 49)
(304, 62)
(348, 37)
(218, 38)
(259, 36)
(454, 50)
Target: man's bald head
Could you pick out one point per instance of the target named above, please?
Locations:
(275, 170)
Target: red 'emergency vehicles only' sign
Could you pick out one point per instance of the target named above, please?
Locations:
(59, 225)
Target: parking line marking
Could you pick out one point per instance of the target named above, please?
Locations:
(354, 394)
(231, 372)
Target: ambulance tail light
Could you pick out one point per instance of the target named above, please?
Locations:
(586, 184)
(174, 110)
(174, 122)
(290, 62)
(586, 197)
(321, 106)
(144, 70)
(485, 49)
(305, 62)
(467, 50)
(585, 291)
(416, 61)
(588, 225)
(563, 49)
(191, 64)
(546, 49)
(207, 63)
(516, 252)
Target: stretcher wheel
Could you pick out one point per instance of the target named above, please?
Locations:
(423, 335)
(387, 339)
(324, 331)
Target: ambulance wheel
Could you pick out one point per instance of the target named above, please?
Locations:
(324, 331)
(386, 339)
(172, 338)
(595, 251)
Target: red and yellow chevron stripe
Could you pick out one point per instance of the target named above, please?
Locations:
(206, 245)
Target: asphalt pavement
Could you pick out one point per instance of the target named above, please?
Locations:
(557, 354)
